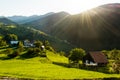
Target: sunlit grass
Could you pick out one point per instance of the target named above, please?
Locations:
(56, 57)
(11, 26)
(42, 68)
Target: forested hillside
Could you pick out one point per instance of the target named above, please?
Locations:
(95, 29)
(47, 23)
(6, 21)
(27, 33)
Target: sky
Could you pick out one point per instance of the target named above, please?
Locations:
(40, 7)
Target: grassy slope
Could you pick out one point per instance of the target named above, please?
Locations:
(40, 68)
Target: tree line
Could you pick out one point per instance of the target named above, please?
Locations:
(75, 54)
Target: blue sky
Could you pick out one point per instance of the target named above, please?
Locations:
(39, 7)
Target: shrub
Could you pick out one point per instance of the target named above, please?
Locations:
(76, 54)
(2, 43)
(20, 46)
(50, 48)
(33, 52)
(9, 51)
(38, 44)
(10, 37)
(116, 67)
(30, 52)
(14, 54)
(62, 53)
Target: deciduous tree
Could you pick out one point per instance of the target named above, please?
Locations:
(76, 54)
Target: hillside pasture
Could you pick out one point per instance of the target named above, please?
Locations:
(44, 68)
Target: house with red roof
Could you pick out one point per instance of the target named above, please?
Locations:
(95, 58)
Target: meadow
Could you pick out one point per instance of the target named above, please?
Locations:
(45, 68)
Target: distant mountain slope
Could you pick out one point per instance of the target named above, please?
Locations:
(95, 29)
(46, 23)
(31, 34)
(25, 19)
(6, 21)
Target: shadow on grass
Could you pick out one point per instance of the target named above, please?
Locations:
(61, 64)
(101, 69)
(42, 78)
(11, 78)
(95, 69)
(4, 47)
(112, 78)
(5, 58)
(25, 56)
(22, 57)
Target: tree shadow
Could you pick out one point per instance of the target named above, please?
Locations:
(5, 58)
(13, 78)
(68, 66)
(81, 66)
(111, 78)
(101, 69)
(61, 64)
(24, 56)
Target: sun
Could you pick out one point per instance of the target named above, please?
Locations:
(78, 6)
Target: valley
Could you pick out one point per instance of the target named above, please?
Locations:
(60, 45)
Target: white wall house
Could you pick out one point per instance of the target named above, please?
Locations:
(14, 42)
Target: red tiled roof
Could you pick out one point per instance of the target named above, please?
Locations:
(98, 57)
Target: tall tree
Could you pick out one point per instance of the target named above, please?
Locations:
(38, 44)
(76, 54)
(20, 46)
(46, 43)
(10, 37)
(2, 42)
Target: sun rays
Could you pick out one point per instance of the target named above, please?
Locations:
(89, 27)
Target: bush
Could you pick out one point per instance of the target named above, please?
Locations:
(32, 52)
(62, 53)
(113, 54)
(76, 54)
(10, 37)
(21, 49)
(37, 50)
(116, 67)
(20, 46)
(9, 51)
(38, 44)
(14, 54)
(50, 48)
(2, 43)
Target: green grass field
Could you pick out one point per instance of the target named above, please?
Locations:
(44, 68)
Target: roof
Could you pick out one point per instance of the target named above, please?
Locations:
(98, 57)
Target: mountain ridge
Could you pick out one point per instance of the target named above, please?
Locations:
(27, 19)
(47, 22)
(94, 29)
(6, 21)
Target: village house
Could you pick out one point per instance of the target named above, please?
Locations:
(14, 43)
(27, 43)
(95, 59)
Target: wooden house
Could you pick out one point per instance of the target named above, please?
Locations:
(95, 59)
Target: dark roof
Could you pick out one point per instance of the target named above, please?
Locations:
(98, 57)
